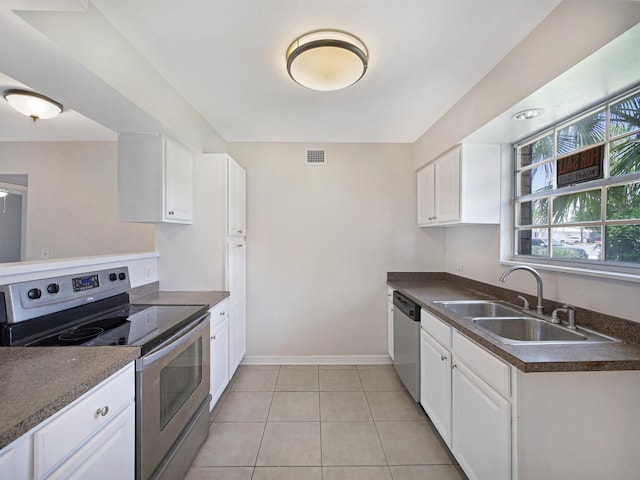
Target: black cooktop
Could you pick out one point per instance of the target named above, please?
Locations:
(104, 324)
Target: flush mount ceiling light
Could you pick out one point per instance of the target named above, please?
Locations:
(528, 114)
(327, 60)
(32, 104)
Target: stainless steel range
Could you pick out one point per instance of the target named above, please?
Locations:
(172, 374)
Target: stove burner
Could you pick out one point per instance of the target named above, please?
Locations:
(80, 334)
(112, 338)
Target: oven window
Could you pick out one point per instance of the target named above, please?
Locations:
(178, 380)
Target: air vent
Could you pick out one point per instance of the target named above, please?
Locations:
(316, 156)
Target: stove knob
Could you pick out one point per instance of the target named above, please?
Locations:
(53, 288)
(34, 293)
(122, 276)
(113, 277)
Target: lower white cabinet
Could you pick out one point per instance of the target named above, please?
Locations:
(93, 437)
(219, 350)
(501, 423)
(107, 455)
(435, 384)
(465, 391)
(481, 437)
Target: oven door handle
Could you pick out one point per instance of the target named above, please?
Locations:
(174, 342)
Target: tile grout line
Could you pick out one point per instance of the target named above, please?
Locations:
(375, 425)
(273, 392)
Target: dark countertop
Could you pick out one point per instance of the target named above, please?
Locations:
(36, 382)
(425, 288)
(210, 298)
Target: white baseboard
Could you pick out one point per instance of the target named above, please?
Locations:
(316, 360)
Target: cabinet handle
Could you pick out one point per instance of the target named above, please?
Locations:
(172, 212)
(222, 314)
(239, 245)
(213, 338)
(102, 411)
(443, 357)
(453, 366)
(239, 231)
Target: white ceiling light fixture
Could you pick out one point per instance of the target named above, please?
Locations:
(327, 60)
(529, 114)
(32, 104)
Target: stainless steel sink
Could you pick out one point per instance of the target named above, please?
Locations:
(479, 308)
(527, 329)
(512, 326)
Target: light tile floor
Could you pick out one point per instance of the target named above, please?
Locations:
(320, 423)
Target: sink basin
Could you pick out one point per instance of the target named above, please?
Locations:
(479, 308)
(527, 329)
(512, 326)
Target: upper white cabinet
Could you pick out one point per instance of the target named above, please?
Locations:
(237, 180)
(155, 179)
(461, 186)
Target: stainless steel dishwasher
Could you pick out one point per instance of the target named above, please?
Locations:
(406, 343)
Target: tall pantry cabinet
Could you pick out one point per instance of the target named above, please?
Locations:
(211, 253)
(236, 262)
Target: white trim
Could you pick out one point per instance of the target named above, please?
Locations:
(316, 360)
(627, 277)
(43, 266)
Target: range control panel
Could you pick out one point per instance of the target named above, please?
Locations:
(35, 298)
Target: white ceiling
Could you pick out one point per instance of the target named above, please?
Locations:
(216, 69)
(226, 59)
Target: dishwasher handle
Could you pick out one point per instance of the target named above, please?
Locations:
(406, 306)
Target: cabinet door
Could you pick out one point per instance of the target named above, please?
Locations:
(237, 270)
(178, 206)
(219, 361)
(435, 384)
(390, 329)
(237, 336)
(107, 455)
(426, 195)
(236, 202)
(481, 440)
(447, 187)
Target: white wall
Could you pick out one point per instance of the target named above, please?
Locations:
(72, 199)
(572, 32)
(320, 242)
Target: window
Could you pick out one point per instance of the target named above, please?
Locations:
(577, 191)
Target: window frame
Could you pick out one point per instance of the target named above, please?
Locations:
(600, 267)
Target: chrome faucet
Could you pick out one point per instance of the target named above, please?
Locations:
(571, 315)
(503, 279)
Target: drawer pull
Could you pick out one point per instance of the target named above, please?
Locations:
(102, 411)
(454, 366)
(222, 314)
(213, 337)
(443, 357)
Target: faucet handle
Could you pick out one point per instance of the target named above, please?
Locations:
(526, 303)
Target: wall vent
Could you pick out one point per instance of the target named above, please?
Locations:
(315, 156)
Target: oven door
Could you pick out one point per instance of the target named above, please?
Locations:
(172, 381)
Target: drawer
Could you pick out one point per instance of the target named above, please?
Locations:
(489, 367)
(436, 328)
(219, 313)
(70, 428)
